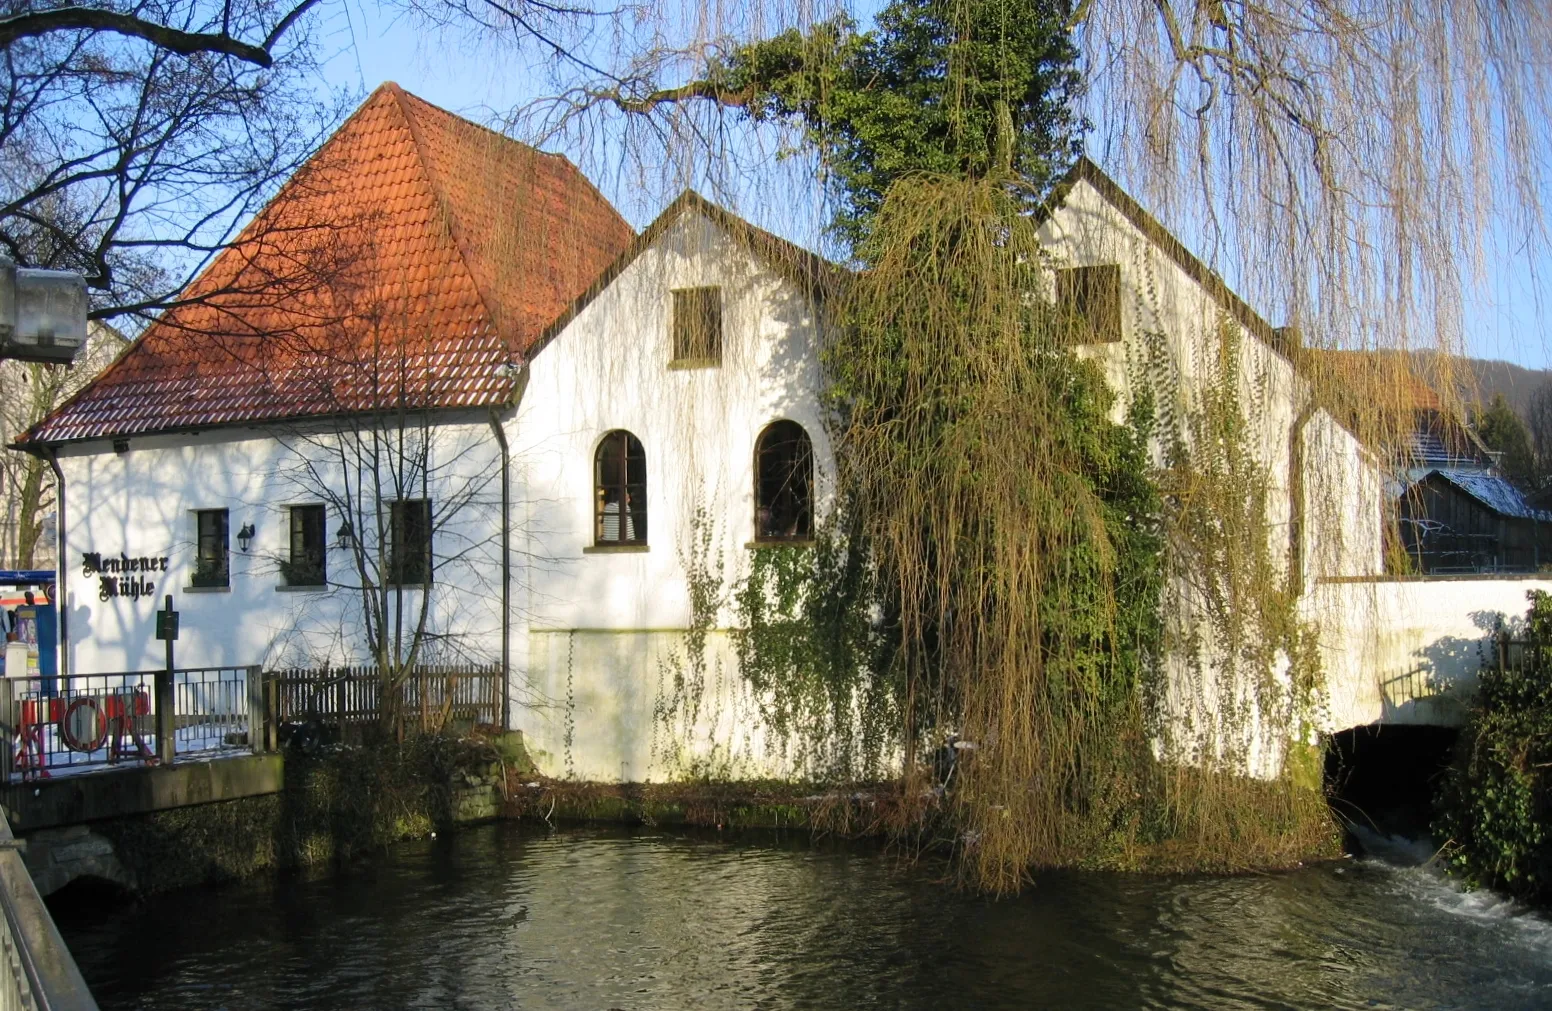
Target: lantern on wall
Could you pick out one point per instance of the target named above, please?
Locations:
(42, 314)
(245, 537)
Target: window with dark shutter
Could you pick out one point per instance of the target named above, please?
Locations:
(697, 326)
(409, 542)
(305, 564)
(210, 549)
(783, 483)
(619, 490)
(1088, 303)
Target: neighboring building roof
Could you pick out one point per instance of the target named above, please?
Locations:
(1425, 449)
(1406, 381)
(411, 230)
(1493, 491)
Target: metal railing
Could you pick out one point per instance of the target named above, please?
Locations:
(430, 695)
(37, 972)
(59, 725)
(62, 725)
(213, 707)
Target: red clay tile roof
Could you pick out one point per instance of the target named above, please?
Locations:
(409, 260)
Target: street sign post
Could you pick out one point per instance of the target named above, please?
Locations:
(166, 725)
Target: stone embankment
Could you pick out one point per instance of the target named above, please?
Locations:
(57, 856)
(153, 830)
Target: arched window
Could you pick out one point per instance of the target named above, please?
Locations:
(783, 483)
(620, 490)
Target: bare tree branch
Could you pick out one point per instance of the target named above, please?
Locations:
(61, 19)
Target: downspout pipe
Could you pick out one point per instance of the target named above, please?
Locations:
(61, 565)
(519, 387)
(506, 569)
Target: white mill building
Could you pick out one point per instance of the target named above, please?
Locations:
(448, 348)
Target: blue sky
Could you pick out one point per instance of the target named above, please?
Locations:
(1509, 320)
(1506, 318)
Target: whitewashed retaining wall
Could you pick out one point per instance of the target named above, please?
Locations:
(1408, 650)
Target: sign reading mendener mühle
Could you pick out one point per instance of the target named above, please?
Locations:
(122, 576)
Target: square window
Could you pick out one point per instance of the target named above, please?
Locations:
(210, 548)
(1088, 303)
(305, 564)
(409, 543)
(697, 326)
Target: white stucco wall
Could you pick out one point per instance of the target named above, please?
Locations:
(142, 503)
(1165, 310)
(1173, 343)
(611, 701)
(1344, 501)
(589, 703)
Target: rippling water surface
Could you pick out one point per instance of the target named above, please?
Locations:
(499, 917)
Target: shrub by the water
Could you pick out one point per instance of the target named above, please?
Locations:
(1495, 811)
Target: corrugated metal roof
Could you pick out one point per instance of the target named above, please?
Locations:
(1426, 449)
(407, 262)
(1495, 492)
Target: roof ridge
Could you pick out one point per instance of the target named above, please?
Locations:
(576, 170)
(414, 106)
(449, 215)
(430, 106)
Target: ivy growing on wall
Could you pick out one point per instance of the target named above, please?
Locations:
(814, 644)
(1256, 674)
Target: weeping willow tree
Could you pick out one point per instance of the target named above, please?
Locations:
(1342, 156)
(1369, 167)
(1011, 529)
(1014, 522)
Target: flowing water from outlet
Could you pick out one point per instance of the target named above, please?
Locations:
(501, 917)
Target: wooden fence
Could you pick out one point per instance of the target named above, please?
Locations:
(432, 696)
(1519, 653)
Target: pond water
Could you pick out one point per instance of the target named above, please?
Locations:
(502, 917)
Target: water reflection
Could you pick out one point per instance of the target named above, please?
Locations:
(501, 918)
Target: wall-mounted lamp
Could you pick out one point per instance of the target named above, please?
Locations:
(245, 537)
(347, 535)
(42, 314)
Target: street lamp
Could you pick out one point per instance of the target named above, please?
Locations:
(42, 314)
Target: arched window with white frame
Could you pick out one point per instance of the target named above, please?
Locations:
(619, 491)
(783, 484)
